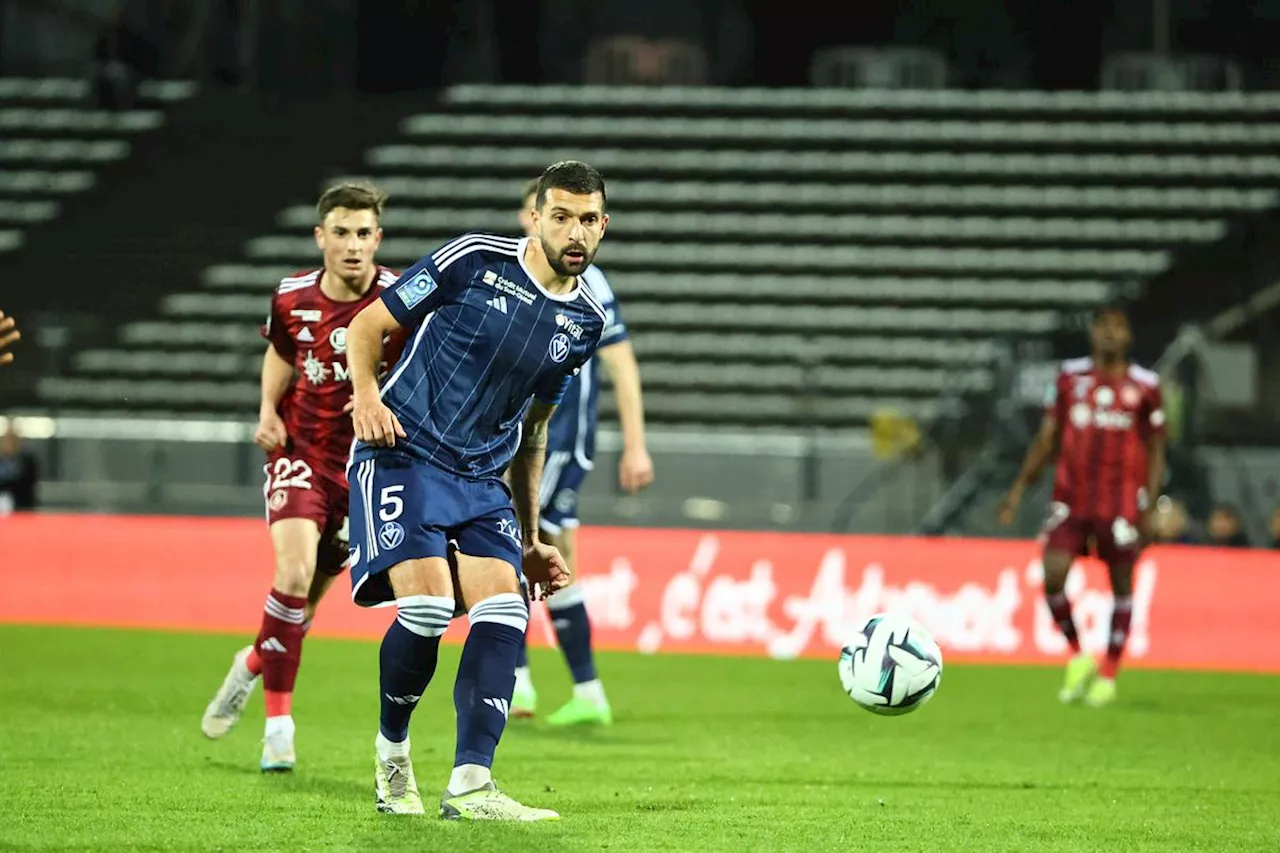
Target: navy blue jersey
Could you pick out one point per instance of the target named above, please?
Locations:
(573, 426)
(488, 340)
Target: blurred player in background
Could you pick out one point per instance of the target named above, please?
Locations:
(9, 335)
(1105, 422)
(571, 445)
(304, 428)
(500, 326)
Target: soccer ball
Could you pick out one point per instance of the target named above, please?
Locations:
(891, 666)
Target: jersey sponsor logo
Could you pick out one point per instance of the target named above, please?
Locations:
(498, 303)
(307, 315)
(390, 535)
(416, 289)
(569, 326)
(559, 348)
(1083, 417)
(509, 528)
(314, 369)
(507, 286)
(305, 336)
(338, 340)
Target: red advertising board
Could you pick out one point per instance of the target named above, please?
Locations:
(777, 594)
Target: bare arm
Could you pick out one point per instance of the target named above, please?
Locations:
(277, 374)
(1156, 445)
(635, 469)
(1042, 451)
(364, 347)
(620, 359)
(526, 470)
(374, 423)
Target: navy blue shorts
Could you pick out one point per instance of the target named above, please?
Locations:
(562, 478)
(407, 509)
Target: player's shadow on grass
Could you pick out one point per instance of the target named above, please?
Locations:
(583, 734)
(302, 783)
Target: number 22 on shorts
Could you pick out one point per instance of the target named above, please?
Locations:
(291, 474)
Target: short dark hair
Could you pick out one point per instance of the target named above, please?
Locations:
(1227, 509)
(573, 176)
(352, 196)
(1112, 307)
(531, 188)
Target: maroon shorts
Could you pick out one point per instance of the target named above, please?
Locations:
(1113, 540)
(296, 488)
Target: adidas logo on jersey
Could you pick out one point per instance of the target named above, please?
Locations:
(306, 337)
(499, 303)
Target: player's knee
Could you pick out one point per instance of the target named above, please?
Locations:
(1056, 566)
(294, 574)
(481, 578)
(1122, 580)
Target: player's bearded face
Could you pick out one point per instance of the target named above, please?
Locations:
(569, 229)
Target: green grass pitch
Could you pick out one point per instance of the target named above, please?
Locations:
(100, 749)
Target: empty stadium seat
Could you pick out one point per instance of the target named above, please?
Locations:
(783, 258)
(53, 144)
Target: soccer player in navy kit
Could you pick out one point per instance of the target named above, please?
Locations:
(571, 449)
(500, 325)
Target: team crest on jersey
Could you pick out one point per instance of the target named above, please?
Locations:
(563, 501)
(416, 289)
(338, 340)
(391, 535)
(1130, 396)
(559, 349)
(1104, 397)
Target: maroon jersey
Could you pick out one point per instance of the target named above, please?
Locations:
(1105, 422)
(310, 329)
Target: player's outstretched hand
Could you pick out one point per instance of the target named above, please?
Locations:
(635, 470)
(375, 424)
(1009, 506)
(9, 334)
(270, 433)
(545, 569)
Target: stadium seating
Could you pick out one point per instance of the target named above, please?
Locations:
(53, 145)
(783, 257)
